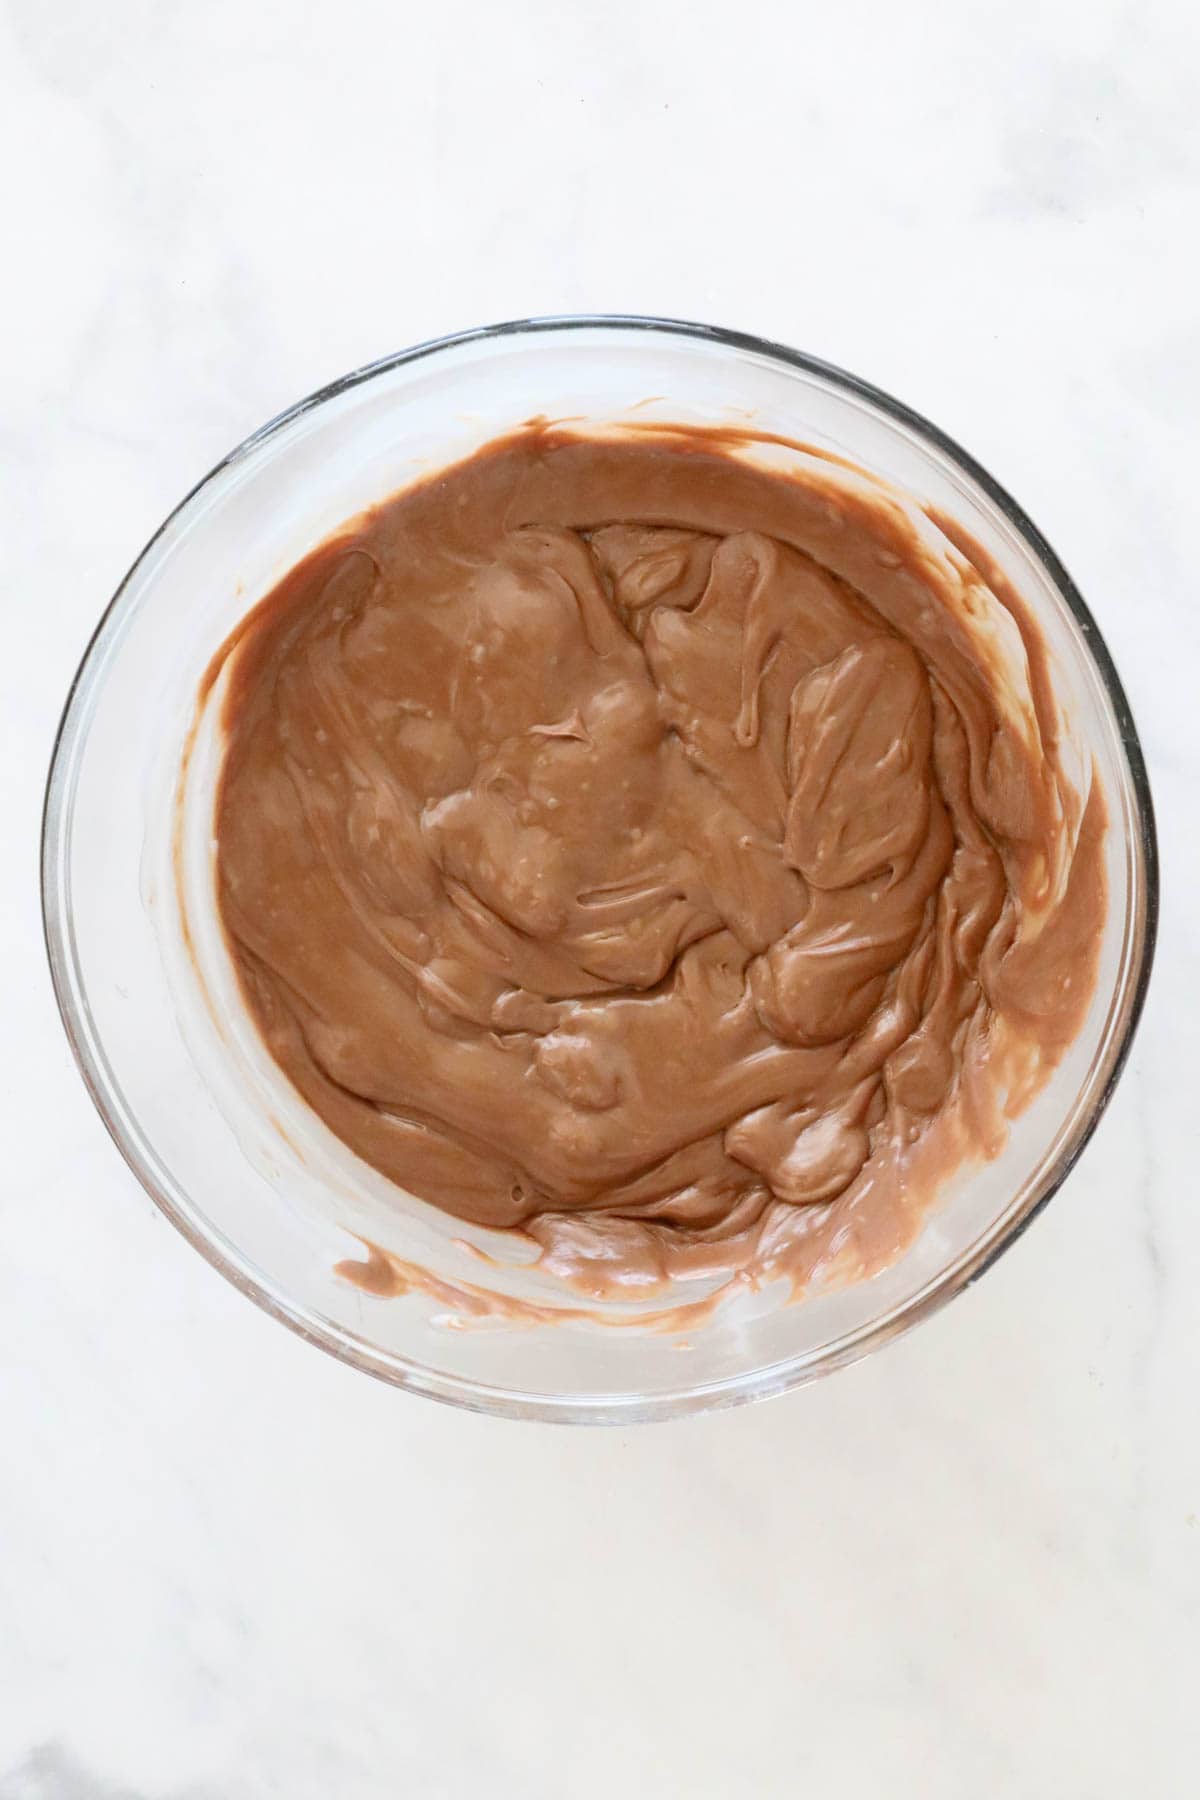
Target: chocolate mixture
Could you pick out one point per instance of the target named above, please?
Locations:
(659, 852)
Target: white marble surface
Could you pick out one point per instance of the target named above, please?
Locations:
(230, 1568)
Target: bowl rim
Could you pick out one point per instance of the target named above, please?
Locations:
(461, 1391)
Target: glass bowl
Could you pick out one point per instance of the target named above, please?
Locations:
(225, 1147)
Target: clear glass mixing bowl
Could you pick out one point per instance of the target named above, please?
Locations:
(224, 1146)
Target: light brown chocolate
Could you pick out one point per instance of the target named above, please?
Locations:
(667, 855)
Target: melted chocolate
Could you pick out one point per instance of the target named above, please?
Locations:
(660, 853)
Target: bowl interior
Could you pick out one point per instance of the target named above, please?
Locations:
(196, 1105)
